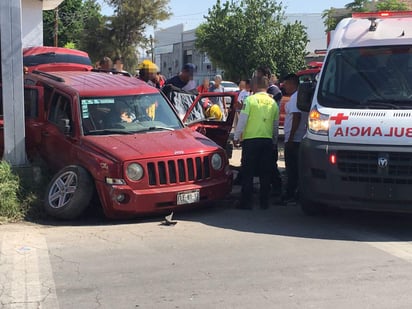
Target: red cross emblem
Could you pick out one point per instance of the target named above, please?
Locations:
(339, 117)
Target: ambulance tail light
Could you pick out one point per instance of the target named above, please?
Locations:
(318, 123)
(333, 158)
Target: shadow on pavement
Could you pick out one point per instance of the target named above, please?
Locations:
(277, 220)
(290, 221)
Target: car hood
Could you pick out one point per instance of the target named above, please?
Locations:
(150, 144)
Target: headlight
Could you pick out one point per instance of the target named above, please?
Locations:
(134, 171)
(216, 161)
(318, 123)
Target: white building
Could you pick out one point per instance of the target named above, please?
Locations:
(174, 46)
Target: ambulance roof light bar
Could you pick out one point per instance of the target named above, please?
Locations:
(382, 14)
(372, 16)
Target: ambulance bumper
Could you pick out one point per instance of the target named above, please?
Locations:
(371, 177)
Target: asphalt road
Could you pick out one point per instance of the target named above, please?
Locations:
(218, 257)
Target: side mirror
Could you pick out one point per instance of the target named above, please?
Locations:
(305, 95)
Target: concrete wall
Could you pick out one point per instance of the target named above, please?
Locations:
(32, 23)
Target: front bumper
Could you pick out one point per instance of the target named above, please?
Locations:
(159, 200)
(356, 181)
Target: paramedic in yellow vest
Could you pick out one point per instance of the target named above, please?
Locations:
(258, 127)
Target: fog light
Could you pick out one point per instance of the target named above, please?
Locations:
(121, 198)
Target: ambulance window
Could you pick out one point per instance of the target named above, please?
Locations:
(367, 77)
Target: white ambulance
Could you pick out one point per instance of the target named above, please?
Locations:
(357, 152)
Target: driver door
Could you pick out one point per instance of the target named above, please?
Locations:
(217, 130)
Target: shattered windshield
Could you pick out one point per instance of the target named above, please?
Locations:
(368, 77)
(127, 114)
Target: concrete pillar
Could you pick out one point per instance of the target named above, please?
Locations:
(12, 81)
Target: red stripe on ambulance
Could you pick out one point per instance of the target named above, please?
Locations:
(373, 131)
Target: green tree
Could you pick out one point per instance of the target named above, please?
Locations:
(391, 5)
(94, 37)
(242, 35)
(358, 5)
(126, 28)
(69, 23)
(331, 18)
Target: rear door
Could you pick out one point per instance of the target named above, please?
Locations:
(34, 117)
(58, 133)
(33, 112)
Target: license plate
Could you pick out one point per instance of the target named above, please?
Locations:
(188, 197)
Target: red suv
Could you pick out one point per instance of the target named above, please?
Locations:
(121, 139)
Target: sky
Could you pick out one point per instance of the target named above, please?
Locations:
(191, 12)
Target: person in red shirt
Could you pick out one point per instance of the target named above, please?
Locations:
(160, 80)
(204, 87)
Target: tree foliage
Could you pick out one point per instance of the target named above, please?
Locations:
(358, 5)
(81, 24)
(242, 35)
(331, 18)
(69, 23)
(93, 39)
(391, 5)
(126, 28)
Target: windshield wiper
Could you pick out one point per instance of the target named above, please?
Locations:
(109, 131)
(155, 128)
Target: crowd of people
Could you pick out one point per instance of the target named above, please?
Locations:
(256, 124)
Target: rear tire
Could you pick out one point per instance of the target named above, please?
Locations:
(69, 193)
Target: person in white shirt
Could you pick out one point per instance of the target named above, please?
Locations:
(244, 92)
(294, 129)
(217, 87)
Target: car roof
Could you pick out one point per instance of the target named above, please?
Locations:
(48, 58)
(228, 82)
(88, 83)
(36, 50)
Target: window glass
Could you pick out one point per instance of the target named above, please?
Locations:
(369, 77)
(31, 103)
(60, 110)
(127, 114)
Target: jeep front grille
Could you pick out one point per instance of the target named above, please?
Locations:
(362, 166)
(178, 171)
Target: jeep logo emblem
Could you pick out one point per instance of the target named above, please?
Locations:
(382, 162)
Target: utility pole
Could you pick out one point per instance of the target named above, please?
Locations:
(151, 47)
(56, 25)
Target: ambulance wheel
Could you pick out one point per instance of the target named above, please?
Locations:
(69, 193)
(310, 208)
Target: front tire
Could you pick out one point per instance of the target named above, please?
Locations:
(69, 193)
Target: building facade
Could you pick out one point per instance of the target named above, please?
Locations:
(174, 47)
